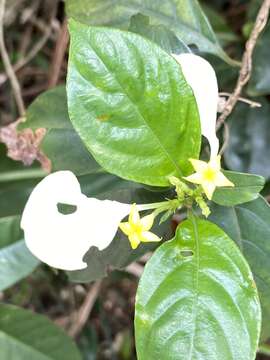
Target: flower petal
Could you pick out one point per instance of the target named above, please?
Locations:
(221, 180)
(134, 240)
(209, 188)
(147, 222)
(198, 165)
(60, 240)
(147, 236)
(195, 178)
(201, 77)
(214, 163)
(134, 217)
(125, 227)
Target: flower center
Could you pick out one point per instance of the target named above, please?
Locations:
(209, 174)
(137, 228)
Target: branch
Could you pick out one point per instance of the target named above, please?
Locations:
(37, 47)
(7, 64)
(58, 56)
(246, 67)
(85, 310)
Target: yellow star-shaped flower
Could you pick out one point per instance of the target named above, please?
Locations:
(137, 229)
(208, 175)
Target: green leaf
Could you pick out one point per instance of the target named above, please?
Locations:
(248, 148)
(16, 184)
(131, 106)
(248, 226)
(246, 188)
(259, 83)
(25, 335)
(159, 34)
(61, 144)
(14, 195)
(16, 261)
(184, 18)
(197, 299)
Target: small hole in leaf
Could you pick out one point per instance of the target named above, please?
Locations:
(186, 253)
(194, 48)
(66, 209)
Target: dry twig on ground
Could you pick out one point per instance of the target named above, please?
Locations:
(85, 310)
(246, 67)
(37, 47)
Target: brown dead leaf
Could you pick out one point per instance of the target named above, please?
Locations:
(25, 145)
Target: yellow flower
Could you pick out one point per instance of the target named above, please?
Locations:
(137, 229)
(208, 175)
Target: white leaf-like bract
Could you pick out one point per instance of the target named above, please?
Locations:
(59, 240)
(201, 77)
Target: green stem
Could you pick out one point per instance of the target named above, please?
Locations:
(152, 206)
(22, 175)
(264, 349)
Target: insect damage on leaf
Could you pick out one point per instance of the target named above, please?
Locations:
(103, 118)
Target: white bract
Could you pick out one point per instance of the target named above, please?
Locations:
(59, 240)
(201, 77)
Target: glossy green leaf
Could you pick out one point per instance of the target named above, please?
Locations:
(247, 187)
(131, 106)
(259, 83)
(197, 299)
(61, 144)
(184, 18)
(16, 261)
(248, 226)
(25, 335)
(248, 148)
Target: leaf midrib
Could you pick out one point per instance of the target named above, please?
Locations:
(196, 297)
(138, 111)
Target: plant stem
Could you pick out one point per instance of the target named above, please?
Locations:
(7, 64)
(152, 206)
(264, 349)
(22, 175)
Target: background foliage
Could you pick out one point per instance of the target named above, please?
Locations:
(217, 29)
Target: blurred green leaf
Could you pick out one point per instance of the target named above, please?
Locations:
(88, 343)
(16, 261)
(25, 335)
(248, 148)
(61, 144)
(16, 183)
(197, 299)
(222, 30)
(120, 99)
(247, 187)
(184, 18)
(159, 34)
(259, 83)
(248, 226)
